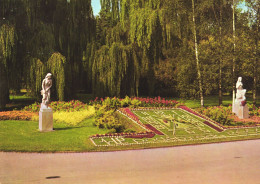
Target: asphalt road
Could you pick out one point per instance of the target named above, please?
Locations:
(223, 163)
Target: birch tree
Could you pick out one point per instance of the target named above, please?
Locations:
(197, 54)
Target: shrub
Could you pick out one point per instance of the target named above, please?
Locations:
(253, 110)
(70, 106)
(219, 114)
(107, 119)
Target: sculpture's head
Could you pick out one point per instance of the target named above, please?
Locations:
(239, 79)
(48, 76)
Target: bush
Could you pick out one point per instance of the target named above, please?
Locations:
(219, 114)
(107, 119)
(70, 106)
(253, 110)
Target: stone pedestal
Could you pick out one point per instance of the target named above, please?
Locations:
(45, 120)
(243, 112)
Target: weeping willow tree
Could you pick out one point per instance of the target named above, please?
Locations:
(112, 67)
(74, 30)
(37, 71)
(7, 42)
(56, 65)
(59, 26)
(130, 46)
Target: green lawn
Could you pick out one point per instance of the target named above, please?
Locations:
(211, 101)
(24, 136)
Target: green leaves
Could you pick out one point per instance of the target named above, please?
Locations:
(7, 42)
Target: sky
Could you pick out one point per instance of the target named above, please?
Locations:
(96, 6)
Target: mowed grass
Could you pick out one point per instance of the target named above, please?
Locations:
(213, 101)
(23, 136)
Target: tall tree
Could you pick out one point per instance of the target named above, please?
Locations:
(221, 53)
(197, 54)
(7, 42)
(234, 54)
(254, 15)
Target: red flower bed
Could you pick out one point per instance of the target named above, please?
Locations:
(130, 114)
(213, 126)
(16, 115)
(153, 129)
(71, 106)
(144, 102)
(156, 102)
(165, 121)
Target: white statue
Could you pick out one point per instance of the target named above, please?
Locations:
(239, 105)
(46, 92)
(240, 95)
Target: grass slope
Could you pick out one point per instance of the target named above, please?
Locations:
(24, 136)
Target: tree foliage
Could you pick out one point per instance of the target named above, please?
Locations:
(133, 47)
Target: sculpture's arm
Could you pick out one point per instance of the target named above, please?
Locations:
(43, 85)
(48, 88)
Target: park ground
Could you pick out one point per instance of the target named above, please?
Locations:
(225, 163)
(23, 136)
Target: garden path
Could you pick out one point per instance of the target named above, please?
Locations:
(231, 163)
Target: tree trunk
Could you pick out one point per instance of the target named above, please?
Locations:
(234, 52)
(256, 58)
(221, 57)
(4, 91)
(197, 55)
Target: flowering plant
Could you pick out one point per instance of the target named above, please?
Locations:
(243, 103)
(71, 106)
(16, 115)
(135, 102)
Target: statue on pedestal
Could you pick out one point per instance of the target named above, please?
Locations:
(46, 114)
(239, 105)
(46, 92)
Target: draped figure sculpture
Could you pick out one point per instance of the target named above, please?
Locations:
(45, 113)
(46, 92)
(239, 105)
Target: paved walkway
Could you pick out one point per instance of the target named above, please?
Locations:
(224, 163)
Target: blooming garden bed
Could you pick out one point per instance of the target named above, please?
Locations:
(17, 115)
(151, 122)
(224, 118)
(183, 125)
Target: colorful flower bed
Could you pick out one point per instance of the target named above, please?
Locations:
(153, 129)
(224, 118)
(17, 115)
(126, 135)
(214, 125)
(253, 110)
(70, 106)
(129, 113)
(135, 102)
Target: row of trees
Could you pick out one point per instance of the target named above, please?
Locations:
(188, 48)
